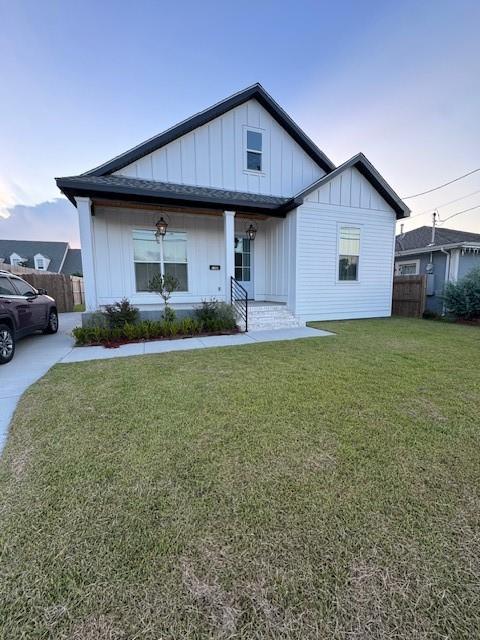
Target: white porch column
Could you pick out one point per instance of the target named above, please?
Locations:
(85, 222)
(229, 236)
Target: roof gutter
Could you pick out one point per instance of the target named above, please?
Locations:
(455, 245)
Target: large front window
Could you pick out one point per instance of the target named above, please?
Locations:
(349, 253)
(169, 257)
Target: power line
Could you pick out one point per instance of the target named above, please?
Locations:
(424, 213)
(445, 184)
(459, 212)
(445, 204)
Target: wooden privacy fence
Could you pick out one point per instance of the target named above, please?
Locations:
(78, 292)
(409, 296)
(58, 285)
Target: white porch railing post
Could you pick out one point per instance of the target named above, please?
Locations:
(85, 222)
(229, 235)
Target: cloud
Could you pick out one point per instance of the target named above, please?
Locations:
(51, 220)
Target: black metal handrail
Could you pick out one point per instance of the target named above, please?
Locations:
(239, 300)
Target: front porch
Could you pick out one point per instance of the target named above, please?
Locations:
(203, 249)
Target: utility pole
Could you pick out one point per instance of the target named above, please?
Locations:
(434, 224)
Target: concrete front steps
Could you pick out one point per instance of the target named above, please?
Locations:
(271, 316)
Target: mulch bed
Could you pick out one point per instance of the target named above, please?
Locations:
(115, 344)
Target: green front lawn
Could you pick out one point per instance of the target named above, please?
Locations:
(321, 488)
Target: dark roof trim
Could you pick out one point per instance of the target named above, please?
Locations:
(79, 186)
(367, 169)
(257, 92)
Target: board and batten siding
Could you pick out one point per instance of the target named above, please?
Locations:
(214, 155)
(114, 264)
(348, 200)
(280, 259)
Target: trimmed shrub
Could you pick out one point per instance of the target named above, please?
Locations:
(462, 298)
(121, 313)
(216, 316)
(146, 330)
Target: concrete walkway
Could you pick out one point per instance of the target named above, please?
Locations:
(36, 354)
(81, 354)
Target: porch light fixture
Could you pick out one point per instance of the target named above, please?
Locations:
(161, 229)
(251, 232)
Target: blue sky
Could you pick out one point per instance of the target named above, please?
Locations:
(83, 81)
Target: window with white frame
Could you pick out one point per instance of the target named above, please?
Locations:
(348, 253)
(169, 257)
(411, 268)
(40, 262)
(254, 150)
(16, 260)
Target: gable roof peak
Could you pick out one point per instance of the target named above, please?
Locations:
(360, 162)
(256, 91)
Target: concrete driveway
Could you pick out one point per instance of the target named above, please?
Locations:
(33, 358)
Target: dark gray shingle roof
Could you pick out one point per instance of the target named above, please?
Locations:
(421, 238)
(27, 249)
(168, 192)
(73, 262)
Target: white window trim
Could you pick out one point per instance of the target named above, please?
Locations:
(46, 262)
(354, 225)
(398, 263)
(152, 294)
(15, 259)
(245, 149)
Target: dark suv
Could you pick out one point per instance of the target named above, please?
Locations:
(23, 310)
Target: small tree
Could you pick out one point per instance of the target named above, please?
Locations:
(462, 298)
(165, 285)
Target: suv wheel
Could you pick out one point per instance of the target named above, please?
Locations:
(52, 326)
(7, 344)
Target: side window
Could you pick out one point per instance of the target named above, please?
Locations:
(348, 253)
(6, 287)
(254, 151)
(22, 287)
(407, 269)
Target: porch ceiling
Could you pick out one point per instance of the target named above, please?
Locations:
(135, 190)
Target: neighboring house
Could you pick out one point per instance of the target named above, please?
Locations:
(446, 257)
(56, 257)
(246, 195)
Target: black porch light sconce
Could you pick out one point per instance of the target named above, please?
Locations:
(251, 232)
(161, 229)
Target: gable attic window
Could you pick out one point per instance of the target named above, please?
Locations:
(348, 253)
(168, 258)
(254, 150)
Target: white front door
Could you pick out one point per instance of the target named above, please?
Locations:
(244, 264)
